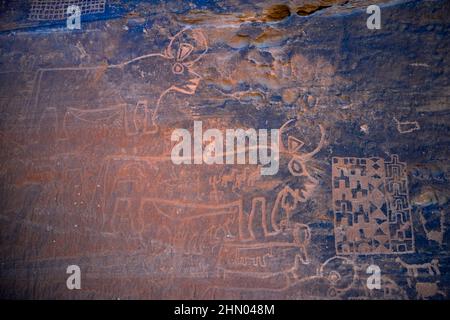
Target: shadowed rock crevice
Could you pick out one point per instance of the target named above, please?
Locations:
(278, 12)
(310, 9)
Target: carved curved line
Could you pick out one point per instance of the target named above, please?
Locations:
(309, 155)
(168, 51)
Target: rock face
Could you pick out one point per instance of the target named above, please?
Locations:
(87, 177)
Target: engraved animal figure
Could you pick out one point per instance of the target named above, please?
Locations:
(390, 290)
(237, 178)
(427, 290)
(406, 126)
(413, 270)
(434, 235)
(143, 80)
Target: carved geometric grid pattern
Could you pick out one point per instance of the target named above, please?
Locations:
(372, 214)
(57, 9)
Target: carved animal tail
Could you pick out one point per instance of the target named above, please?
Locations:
(442, 221)
(423, 221)
(442, 293)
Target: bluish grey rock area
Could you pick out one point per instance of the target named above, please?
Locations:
(359, 205)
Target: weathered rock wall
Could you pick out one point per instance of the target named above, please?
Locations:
(87, 178)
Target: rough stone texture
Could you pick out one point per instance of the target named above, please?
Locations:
(86, 175)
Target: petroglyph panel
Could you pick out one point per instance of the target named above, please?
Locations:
(87, 118)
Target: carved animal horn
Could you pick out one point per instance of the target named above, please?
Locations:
(305, 156)
(187, 46)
